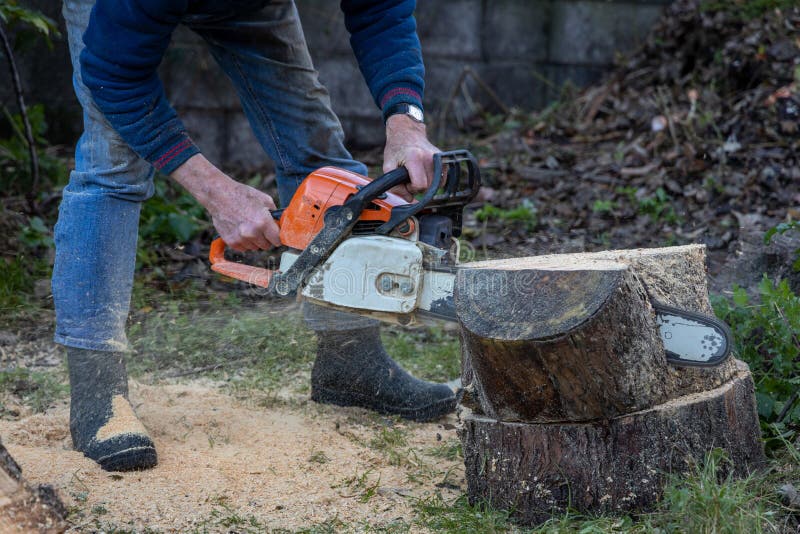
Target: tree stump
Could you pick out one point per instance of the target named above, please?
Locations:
(570, 400)
(24, 509)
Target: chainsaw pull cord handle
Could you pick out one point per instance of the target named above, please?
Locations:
(246, 273)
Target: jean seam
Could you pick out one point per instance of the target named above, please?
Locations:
(264, 116)
(90, 344)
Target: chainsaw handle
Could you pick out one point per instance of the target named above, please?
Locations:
(251, 274)
(446, 168)
(382, 184)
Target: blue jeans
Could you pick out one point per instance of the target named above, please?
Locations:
(265, 55)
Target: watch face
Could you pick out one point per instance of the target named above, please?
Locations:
(415, 113)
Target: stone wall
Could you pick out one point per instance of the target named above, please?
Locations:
(524, 50)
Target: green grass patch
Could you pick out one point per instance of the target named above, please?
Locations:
(525, 214)
(392, 442)
(427, 353)
(711, 500)
(364, 486)
(659, 208)
(37, 390)
(439, 515)
(257, 347)
(251, 347)
(449, 450)
(17, 278)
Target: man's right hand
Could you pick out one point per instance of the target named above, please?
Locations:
(240, 213)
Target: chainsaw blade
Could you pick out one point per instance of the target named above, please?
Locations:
(690, 339)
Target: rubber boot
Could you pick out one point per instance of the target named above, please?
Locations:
(101, 420)
(353, 369)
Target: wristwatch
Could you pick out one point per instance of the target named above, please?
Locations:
(406, 109)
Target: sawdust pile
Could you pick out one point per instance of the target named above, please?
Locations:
(287, 467)
(695, 136)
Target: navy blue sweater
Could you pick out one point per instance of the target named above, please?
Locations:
(126, 40)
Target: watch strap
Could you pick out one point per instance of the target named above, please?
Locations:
(404, 108)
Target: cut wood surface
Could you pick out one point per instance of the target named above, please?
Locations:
(573, 336)
(23, 509)
(615, 465)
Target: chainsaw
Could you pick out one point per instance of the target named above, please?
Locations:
(355, 246)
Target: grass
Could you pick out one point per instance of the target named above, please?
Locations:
(709, 500)
(428, 353)
(260, 348)
(449, 450)
(525, 214)
(17, 278)
(36, 390)
(659, 208)
(392, 442)
(438, 515)
(364, 486)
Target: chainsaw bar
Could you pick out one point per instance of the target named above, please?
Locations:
(690, 339)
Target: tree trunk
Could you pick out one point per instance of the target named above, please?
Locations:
(571, 393)
(573, 337)
(24, 509)
(610, 466)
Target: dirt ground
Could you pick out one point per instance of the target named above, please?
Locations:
(291, 465)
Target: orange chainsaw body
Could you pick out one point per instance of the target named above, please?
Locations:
(456, 180)
(303, 218)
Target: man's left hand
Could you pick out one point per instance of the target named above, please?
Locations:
(407, 146)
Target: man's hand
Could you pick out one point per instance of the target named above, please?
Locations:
(240, 213)
(407, 146)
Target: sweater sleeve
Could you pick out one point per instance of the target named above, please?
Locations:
(124, 43)
(383, 35)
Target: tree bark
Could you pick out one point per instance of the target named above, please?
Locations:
(569, 398)
(24, 509)
(619, 465)
(573, 336)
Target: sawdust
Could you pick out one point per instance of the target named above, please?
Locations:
(216, 453)
(122, 421)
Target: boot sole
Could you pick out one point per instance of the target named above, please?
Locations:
(425, 413)
(132, 459)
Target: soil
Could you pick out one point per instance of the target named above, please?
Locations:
(695, 138)
(218, 455)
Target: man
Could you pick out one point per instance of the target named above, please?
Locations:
(130, 129)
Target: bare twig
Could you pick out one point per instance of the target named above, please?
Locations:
(447, 103)
(488, 90)
(12, 66)
(459, 86)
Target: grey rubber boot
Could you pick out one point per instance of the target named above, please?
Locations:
(353, 369)
(101, 420)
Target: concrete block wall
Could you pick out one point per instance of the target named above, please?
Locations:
(525, 50)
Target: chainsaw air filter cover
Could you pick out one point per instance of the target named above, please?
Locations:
(323, 189)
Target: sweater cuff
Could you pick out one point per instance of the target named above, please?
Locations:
(400, 94)
(174, 154)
